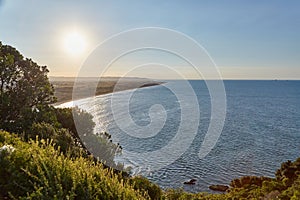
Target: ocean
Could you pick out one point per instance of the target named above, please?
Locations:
(261, 130)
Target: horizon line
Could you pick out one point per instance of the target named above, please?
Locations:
(237, 79)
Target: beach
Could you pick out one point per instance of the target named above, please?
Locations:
(64, 86)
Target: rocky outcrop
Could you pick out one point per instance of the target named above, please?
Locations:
(190, 182)
(220, 188)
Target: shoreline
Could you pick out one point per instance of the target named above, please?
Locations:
(100, 92)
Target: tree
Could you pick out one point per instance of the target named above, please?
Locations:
(26, 98)
(25, 90)
(68, 116)
(99, 145)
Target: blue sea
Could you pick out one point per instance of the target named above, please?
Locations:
(261, 130)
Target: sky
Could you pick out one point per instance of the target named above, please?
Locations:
(258, 39)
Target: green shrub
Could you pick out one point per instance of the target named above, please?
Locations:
(67, 117)
(60, 137)
(248, 181)
(36, 170)
(144, 185)
(100, 145)
(180, 194)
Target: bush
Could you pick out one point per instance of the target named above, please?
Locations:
(60, 136)
(248, 181)
(35, 170)
(144, 185)
(68, 116)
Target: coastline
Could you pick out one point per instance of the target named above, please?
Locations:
(64, 93)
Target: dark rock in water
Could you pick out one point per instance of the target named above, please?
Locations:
(190, 182)
(221, 188)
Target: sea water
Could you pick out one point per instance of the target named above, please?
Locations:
(261, 130)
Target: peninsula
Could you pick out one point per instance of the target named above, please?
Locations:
(64, 86)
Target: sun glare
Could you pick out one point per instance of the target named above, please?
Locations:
(74, 43)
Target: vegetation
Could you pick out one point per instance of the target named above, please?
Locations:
(285, 186)
(24, 90)
(26, 99)
(142, 184)
(36, 170)
(43, 157)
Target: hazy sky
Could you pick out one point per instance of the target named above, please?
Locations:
(257, 39)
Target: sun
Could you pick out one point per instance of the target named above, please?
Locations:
(74, 43)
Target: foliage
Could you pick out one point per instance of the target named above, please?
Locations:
(53, 163)
(26, 98)
(143, 184)
(248, 181)
(288, 172)
(24, 90)
(35, 170)
(100, 144)
(285, 186)
(180, 194)
(60, 136)
(67, 117)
